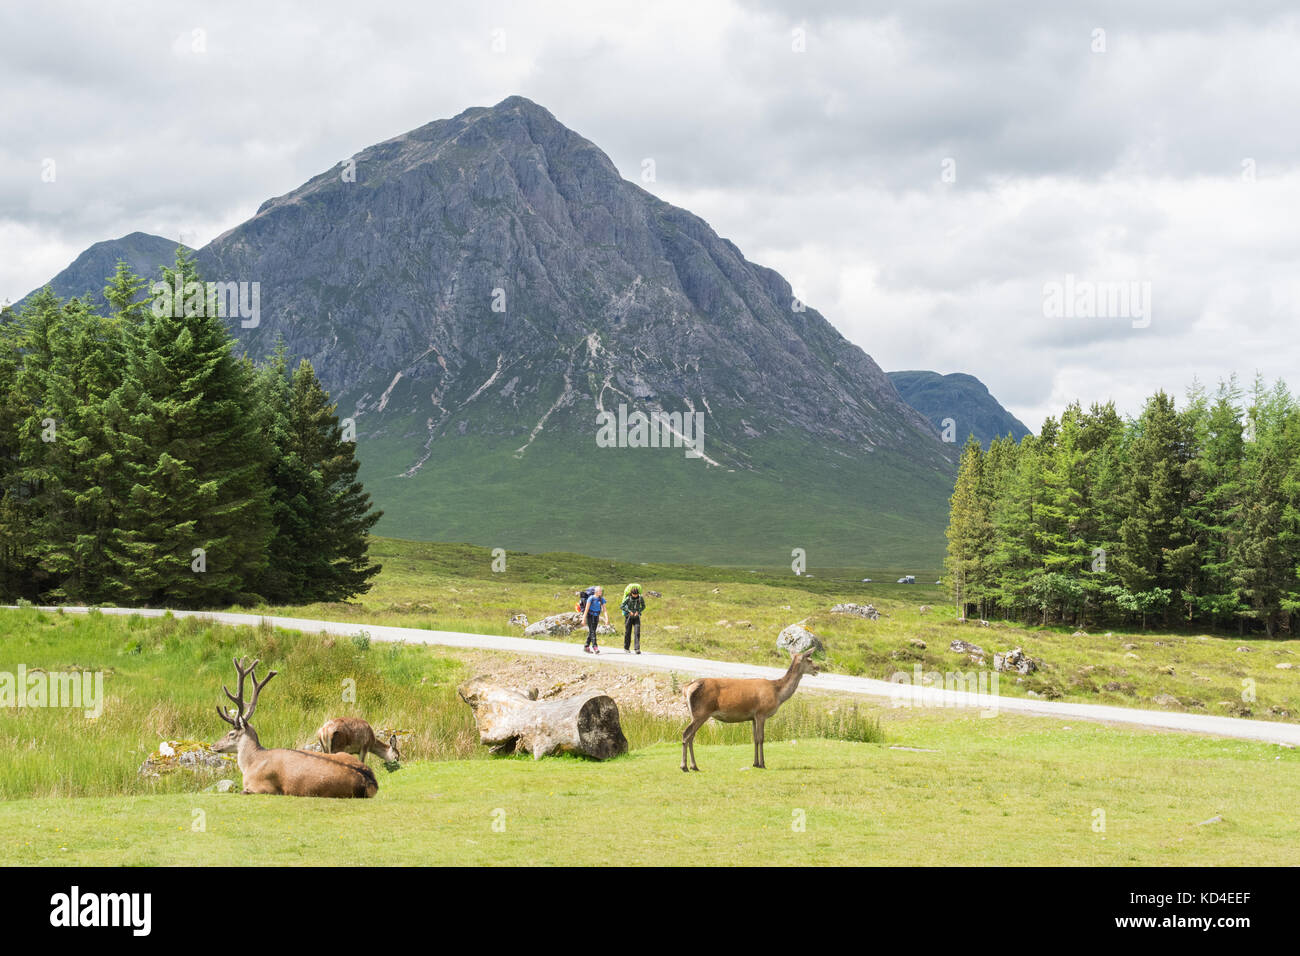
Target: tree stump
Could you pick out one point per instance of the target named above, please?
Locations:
(510, 722)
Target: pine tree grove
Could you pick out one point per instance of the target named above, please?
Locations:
(142, 462)
(1187, 517)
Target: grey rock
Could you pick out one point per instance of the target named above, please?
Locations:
(1016, 660)
(559, 625)
(796, 639)
(867, 611)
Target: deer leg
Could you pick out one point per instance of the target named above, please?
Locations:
(758, 743)
(688, 741)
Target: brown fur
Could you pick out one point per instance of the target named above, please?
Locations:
(734, 700)
(295, 773)
(353, 735)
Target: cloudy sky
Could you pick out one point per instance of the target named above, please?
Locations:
(927, 175)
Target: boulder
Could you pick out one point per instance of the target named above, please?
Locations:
(857, 610)
(518, 620)
(654, 594)
(191, 755)
(1016, 660)
(965, 647)
(561, 625)
(796, 639)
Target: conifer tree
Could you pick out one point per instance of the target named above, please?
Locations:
(15, 531)
(969, 531)
(335, 564)
(195, 525)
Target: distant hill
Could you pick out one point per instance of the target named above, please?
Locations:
(961, 397)
(90, 270)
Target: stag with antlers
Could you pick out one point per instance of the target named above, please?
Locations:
(295, 773)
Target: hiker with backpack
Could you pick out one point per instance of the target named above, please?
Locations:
(632, 606)
(594, 612)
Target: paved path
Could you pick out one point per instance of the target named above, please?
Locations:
(1269, 731)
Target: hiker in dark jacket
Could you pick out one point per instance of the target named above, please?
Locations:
(632, 606)
(593, 612)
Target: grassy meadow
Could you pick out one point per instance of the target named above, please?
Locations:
(882, 786)
(849, 782)
(736, 613)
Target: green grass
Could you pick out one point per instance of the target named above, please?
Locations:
(1004, 791)
(163, 681)
(868, 784)
(453, 587)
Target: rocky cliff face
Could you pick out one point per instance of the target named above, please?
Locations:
(476, 292)
(493, 274)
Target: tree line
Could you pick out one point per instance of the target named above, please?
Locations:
(1187, 516)
(142, 462)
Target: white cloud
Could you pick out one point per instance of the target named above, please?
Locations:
(824, 165)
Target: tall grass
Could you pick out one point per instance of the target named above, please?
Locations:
(163, 679)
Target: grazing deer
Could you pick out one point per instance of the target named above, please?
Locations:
(734, 700)
(294, 773)
(353, 735)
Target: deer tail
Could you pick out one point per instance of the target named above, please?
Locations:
(689, 690)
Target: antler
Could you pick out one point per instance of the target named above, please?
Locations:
(257, 689)
(242, 715)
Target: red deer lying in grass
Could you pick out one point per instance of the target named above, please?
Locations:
(353, 735)
(734, 700)
(295, 773)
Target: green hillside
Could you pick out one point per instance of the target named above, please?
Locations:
(641, 504)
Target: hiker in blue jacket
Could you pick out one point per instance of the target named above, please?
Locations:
(595, 612)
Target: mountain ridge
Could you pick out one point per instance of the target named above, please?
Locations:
(484, 286)
(961, 398)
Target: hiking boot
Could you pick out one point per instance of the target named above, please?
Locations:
(586, 648)
(595, 649)
(638, 650)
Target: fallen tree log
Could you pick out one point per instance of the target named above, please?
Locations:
(510, 722)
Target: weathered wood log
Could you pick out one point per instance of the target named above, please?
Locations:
(510, 722)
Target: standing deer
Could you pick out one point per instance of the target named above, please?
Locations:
(734, 700)
(353, 735)
(294, 773)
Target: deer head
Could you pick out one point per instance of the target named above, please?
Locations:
(392, 756)
(804, 663)
(239, 723)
